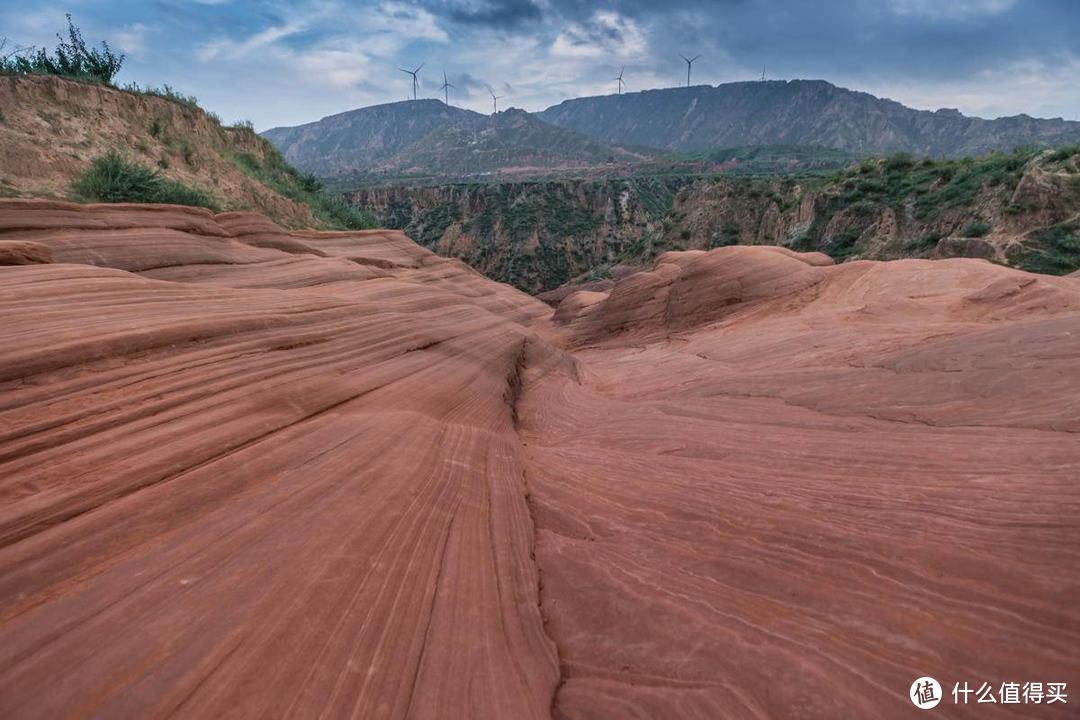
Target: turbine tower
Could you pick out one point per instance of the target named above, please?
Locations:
(689, 62)
(446, 85)
(413, 73)
(494, 100)
(620, 79)
(762, 73)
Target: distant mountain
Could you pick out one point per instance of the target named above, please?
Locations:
(795, 112)
(512, 141)
(361, 139)
(426, 137)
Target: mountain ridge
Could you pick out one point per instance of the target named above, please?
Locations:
(669, 120)
(802, 112)
(428, 137)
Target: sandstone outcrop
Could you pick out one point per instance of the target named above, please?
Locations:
(253, 473)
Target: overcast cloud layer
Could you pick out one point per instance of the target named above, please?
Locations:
(284, 63)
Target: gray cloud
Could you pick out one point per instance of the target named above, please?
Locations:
(502, 14)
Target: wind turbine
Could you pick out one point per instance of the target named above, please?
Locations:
(762, 73)
(446, 85)
(413, 73)
(620, 79)
(689, 62)
(495, 100)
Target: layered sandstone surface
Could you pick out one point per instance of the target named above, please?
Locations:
(252, 473)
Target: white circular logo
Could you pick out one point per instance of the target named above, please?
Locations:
(925, 693)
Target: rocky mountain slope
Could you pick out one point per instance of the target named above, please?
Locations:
(534, 235)
(510, 143)
(363, 138)
(1021, 209)
(802, 112)
(249, 472)
(427, 139)
(51, 129)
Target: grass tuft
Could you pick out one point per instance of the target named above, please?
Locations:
(113, 179)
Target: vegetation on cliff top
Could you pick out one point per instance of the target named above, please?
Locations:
(274, 172)
(72, 58)
(541, 234)
(185, 138)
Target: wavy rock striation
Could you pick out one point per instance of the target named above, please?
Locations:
(253, 473)
(782, 488)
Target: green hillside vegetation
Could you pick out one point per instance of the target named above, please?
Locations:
(537, 235)
(774, 159)
(305, 188)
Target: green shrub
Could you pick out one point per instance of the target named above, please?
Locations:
(899, 161)
(113, 179)
(71, 58)
(843, 246)
(976, 228)
(922, 244)
(1063, 153)
(187, 151)
(305, 188)
(309, 182)
(1053, 251)
(343, 214)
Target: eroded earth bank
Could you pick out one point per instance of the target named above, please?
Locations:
(252, 473)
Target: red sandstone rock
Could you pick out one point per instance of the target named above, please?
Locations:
(253, 473)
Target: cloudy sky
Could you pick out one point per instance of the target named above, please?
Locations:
(284, 63)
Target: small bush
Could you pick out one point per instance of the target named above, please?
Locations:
(286, 180)
(1063, 153)
(922, 244)
(71, 58)
(976, 228)
(899, 161)
(111, 178)
(1053, 251)
(343, 214)
(309, 183)
(187, 151)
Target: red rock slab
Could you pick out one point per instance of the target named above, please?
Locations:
(256, 473)
(258, 501)
(15, 252)
(814, 496)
